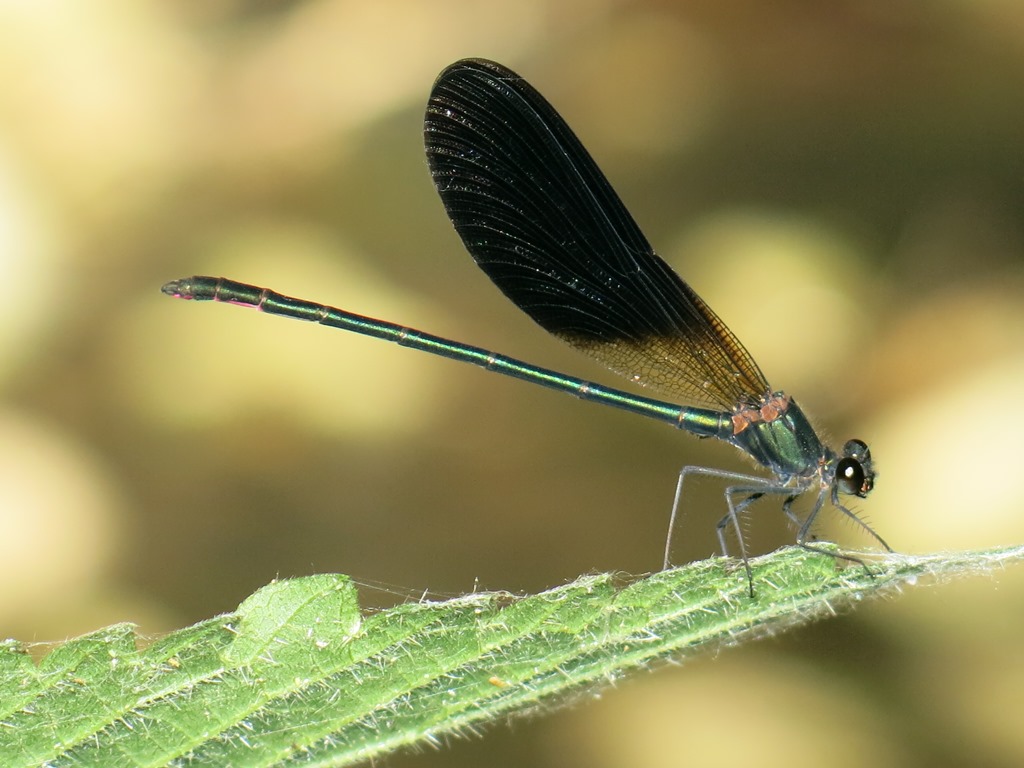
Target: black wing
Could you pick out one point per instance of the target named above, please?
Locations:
(539, 217)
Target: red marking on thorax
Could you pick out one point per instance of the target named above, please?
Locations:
(771, 408)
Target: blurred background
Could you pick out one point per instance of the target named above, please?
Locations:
(843, 183)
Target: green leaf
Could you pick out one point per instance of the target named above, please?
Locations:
(298, 675)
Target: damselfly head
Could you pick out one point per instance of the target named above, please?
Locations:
(854, 473)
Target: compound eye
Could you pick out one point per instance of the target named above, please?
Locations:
(850, 476)
(857, 449)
